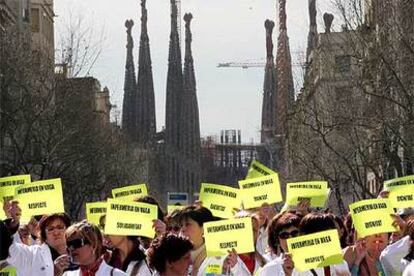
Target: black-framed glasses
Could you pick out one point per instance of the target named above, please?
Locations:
(285, 235)
(76, 243)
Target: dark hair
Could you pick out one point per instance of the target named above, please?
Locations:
(316, 222)
(409, 230)
(167, 248)
(151, 200)
(5, 241)
(344, 236)
(197, 213)
(46, 219)
(277, 224)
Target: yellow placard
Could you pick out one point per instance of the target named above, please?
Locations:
(172, 208)
(221, 200)
(257, 169)
(256, 191)
(315, 250)
(223, 235)
(8, 271)
(213, 269)
(372, 216)
(40, 198)
(401, 191)
(8, 185)
(130, 192)
(315, 191)
(94, 211)
(126, 218)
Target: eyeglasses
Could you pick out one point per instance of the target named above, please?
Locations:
(286, 235)
(76, 243)
(59, 228)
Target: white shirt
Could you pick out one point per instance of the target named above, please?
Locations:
(392, 257)
(104, 270)
(31, 260)
(143, 269)
(409, 270)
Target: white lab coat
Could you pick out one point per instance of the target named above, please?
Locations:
(392, 257)
(143, 269)
(237, 270)
(31, 260)
(104, 270)
(409, 269)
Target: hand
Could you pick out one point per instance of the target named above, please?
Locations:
(159, 226)
(61, 263)
(288, 264)
(360, 251)
(15, 212)
(34, 228)
(303, 207)
(399, 222)
(230, 261)
(384, 194)
(6, 207)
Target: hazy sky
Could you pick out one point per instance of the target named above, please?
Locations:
(223, 30)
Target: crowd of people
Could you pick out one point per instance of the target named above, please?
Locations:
(53, 245)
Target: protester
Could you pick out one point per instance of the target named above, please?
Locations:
(282, 226)
(170, 255)
(172, 222)
(192, 219)
(39, 259)
(84, 243)
(397, 256)
(5, 241)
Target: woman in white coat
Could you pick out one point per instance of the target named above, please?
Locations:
(39, 259)
(84, 244)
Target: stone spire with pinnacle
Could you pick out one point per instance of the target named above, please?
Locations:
(269, 88)
(313, 29)
(285, 90)
(190, 142)
(129, 102)
(145, 100)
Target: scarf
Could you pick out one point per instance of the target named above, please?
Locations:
(90, 270)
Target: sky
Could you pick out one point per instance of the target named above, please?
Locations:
(223, 31)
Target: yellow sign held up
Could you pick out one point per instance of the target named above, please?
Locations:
(315, 250)
(8, 185)
(259, 190)
(126, 218)
(223, 235)
(372, 216)
(94, 211)
(315, 191)
(257, 169)
(130, 192)
(401, 191)
(221, 200)
(8, 271)
(40, 198)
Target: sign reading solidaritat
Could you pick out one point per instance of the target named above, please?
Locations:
(224, 235)
(372, 216)
(257, 191)
(314, 191)
(221, 200)
(257, 170)
(7, 187)
(401, 191)
(130, 192)
(127, 218)
(94, 211)
(315, 250)
(40, 198)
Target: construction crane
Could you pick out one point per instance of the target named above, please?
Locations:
(298, 62)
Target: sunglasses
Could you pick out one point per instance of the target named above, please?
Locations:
(76, 243)
(286, 235)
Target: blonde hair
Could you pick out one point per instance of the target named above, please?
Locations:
(88, 232)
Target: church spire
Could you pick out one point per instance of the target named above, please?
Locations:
(269, 88)
(145, 117)
(313, 29)
(128, 106)
(190, 144)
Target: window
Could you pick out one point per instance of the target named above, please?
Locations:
(35, 20)
(343, 64)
